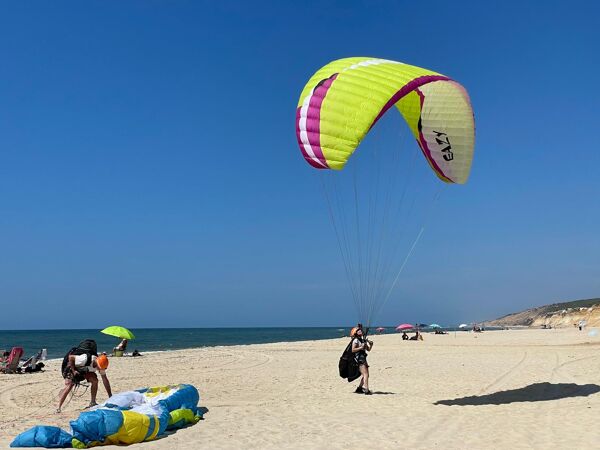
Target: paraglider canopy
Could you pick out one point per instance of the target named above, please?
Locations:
(344, 99)
(337, 111)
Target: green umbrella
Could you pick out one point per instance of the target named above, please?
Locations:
(120, 332)
(434, 325)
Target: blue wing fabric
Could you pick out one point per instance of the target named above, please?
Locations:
(43, 436)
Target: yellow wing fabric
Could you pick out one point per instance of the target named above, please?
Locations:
(344, 99)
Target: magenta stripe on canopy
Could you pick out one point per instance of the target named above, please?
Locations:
(307, 157)
(423, 143)
(408, 87)
(300, 143)
(313, 123)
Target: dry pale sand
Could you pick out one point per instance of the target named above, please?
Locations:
(502, 389)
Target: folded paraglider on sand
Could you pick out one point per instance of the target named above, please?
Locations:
(125, 418)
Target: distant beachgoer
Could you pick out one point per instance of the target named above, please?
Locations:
(360, 347)
(417, 337)
(34, 363)
(77, 371)
(404, 336)
(121, 347)
(4, 358)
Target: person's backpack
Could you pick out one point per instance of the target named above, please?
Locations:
(86, 347)
(344, 361)
(347, 365)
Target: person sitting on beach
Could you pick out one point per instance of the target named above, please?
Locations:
(360, 347)
(404, 336)
(4, 359)
(34, 363)
(417, 337)
(77, 371)
(121, 347)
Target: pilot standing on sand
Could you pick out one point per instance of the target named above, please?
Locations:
(360, 346)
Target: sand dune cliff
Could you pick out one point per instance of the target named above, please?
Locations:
(558, 315)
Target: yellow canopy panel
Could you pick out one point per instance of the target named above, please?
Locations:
(344, 99)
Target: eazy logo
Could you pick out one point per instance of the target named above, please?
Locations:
(444, 141)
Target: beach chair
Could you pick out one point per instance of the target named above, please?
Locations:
(12, 363)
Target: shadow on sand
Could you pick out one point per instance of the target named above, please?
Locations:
(537, 392)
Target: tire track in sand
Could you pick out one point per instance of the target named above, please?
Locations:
(272, 396)
(27, 415)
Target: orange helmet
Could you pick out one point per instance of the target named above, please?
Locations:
(353, 331)
(102, 362)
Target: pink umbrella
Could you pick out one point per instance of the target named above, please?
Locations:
(380, 329)
(404, 326)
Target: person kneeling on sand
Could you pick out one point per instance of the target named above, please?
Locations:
(360, 347)
(77, 371)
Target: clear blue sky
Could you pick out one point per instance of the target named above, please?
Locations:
(149, 171)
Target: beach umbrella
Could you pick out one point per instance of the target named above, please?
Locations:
(117, 331)
(404, 326)
(380, 329)
(434, 325)
(463, 325)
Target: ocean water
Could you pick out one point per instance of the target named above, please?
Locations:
(58, 342)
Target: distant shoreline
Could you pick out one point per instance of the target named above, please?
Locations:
(58, 342)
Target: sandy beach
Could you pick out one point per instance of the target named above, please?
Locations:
(501, 389)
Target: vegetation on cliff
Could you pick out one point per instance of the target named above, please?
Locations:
(562, 314)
